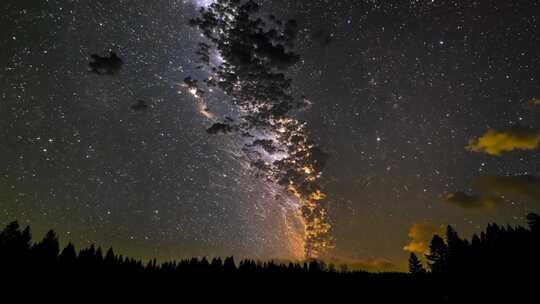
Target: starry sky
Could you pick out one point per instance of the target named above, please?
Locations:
(399, 90)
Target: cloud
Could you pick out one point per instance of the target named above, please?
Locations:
(421, 234)
(471, 201)
(496, 142)
(220, 128)
(140, 106)
(105, 65)
(535, 102)
(494, 190)
(521, 187)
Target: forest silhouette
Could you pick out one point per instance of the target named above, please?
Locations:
(499, 257)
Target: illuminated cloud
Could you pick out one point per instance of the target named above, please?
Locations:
(496, 142)
(535, 102)
(494, 190)
(421, 234)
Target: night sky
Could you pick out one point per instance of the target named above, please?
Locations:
(428, 110)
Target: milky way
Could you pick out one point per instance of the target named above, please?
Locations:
(293, 224)
(405, 99)
(274, 143)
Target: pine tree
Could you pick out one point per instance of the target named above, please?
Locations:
(14, 245)
(456, 254)
(438, 255)
(26, 239)
(48, 249)
(533, 220)
(216, 264)
(68, 256)
(229, 265)
(110, 259)
(415, 266)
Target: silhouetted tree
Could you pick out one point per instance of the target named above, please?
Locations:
(68, 256)
(229, 264)
(47, 250)
(99, 254)
(415, 266)
(456, 251)
(331, 267)
(498, 253)
(110, 262)
(315, 266)
(533, 219)
(216, 264)
(14, 245)
(438, 253)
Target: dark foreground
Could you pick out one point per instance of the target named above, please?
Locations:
(501, 264)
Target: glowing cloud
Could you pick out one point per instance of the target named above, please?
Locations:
(496, 142)
(535, 102)
(421, 234)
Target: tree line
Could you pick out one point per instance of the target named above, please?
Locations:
(496, 250)
(489, 266)
(17, 252)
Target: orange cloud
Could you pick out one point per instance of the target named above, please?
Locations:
(535, 102)
(496, 142)
(421, 234)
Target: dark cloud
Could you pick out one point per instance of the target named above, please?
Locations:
(494, 190)
(193, 87)
(220, 128)
(140, 106)
(105, 65)
(522, 187)
(260, 164)
(472, 201)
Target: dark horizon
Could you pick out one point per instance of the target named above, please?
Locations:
(498, 247)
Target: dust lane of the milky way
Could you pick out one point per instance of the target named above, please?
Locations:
(398, 90)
